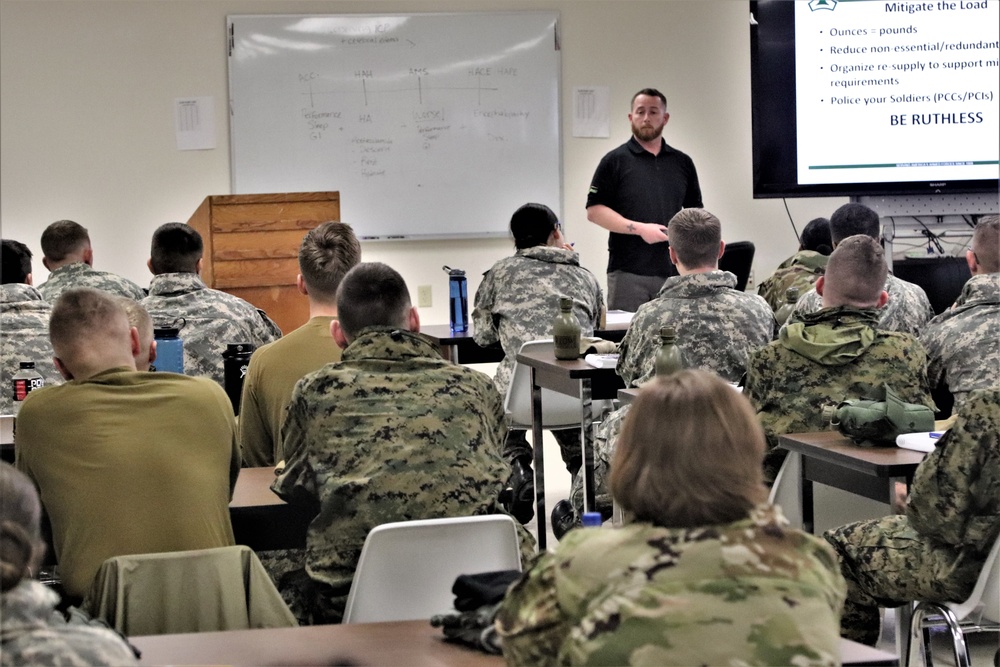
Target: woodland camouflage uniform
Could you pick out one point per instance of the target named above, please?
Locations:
(801, 270)
(81, 274)
(963, 342)
(829, 356)
(390, 433)
(211, 320)
(935, 551)
(753, 592)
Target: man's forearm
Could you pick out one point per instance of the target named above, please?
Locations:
(613, 221)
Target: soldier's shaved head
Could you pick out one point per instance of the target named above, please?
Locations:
(986, 245)
(139, 318)
(90, 333)
(856, 273)
(851, 219)
(695, 237)
(372, 294)
(64, 238)
(176, 248)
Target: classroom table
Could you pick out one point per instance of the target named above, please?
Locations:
(573, 378)
(262, 520)
(461, 347)
(833, 459)
(413, 643)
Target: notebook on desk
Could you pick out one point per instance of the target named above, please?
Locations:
(920, 442)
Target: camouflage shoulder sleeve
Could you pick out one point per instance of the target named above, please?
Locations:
(529, 621)
(956, 490)
(297, 483)
(484, 328)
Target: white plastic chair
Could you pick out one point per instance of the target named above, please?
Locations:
(559, 411)
(786, 492)
(407, 569)
(979, 613)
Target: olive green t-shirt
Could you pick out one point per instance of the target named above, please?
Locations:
(130, 462)
(274, 370)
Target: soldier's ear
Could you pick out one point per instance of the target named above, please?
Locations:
(149, 265)
(300, 283)
(414, 320)
(29, 279)
(820, 285)
(883, 298)
(62, 369)
(339, 337)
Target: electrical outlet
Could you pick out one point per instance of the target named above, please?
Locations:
(751, 282)
(424, 296)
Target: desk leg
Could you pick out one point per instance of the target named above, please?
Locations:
(808, 525)
(541, 518)
(587, 444)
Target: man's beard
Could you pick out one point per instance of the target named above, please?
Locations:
(647, 133)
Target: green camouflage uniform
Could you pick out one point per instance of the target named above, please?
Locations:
(829, 356)
(963, 343)
(801, 270)
(516, 303)
(24, 336)
(391, 433)
(33, 633)
(717, 329)
(81, 274)
(936, 550)
(753, 592)
(907, 310)
(211, 321)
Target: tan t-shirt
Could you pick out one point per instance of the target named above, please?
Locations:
(130, 462)
(274, 370)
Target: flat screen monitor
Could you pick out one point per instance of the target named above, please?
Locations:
(869, 98)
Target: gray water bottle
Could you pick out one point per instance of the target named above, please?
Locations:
(169, 351)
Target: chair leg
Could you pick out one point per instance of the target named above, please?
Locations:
(959, 646)
(920, 639)
(904, 613)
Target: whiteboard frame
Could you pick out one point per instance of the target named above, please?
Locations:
(557, 205)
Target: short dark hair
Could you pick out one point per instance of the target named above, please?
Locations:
(372, 294)
(16, 262)
(856, 273)
(176, 248)
(532, 224)
(326, 254)
(651, 92)
(851, 219)
(62, 238)
(695, 235)
(816, 237)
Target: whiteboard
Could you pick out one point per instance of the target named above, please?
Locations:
(429, 125)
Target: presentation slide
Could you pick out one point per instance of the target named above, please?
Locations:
(897, 91)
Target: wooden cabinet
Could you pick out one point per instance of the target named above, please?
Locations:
(252, 247)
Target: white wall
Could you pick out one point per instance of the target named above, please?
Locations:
(86, 126)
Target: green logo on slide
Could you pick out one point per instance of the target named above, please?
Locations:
(815, 5)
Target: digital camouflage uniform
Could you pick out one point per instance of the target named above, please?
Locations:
(907, 310)
(32, 633)
(81, 274)
(963, 343)
(753, 592)
(830, 356)
(801, 270)
(717, 329)
(391, 433)
(24, 336)
(516, 303)
(211, 321)
(935, 551)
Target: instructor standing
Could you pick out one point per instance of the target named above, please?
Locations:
(636, 189)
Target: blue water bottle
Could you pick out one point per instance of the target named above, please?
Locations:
(169, 350)
(458, 290)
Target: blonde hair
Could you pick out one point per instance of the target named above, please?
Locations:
(690, 453)
(856, 272)
(986, 243)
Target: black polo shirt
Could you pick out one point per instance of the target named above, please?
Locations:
(646, 188)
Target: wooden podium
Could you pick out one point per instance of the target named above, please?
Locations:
(252, 247)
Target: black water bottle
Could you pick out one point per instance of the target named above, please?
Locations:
(235, 360)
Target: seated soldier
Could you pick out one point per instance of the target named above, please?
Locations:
(704, 571)
(837, 353)
(717, 329)
(327, 253)
(24, 323)
(392, 432)
(516, 303)
(70, 260)
(802, 269)
(31, 631)
(208, 319)
(963, 342)
(126, 462)
(907, 307)
(936, 550)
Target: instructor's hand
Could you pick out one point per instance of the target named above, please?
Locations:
(652, 232)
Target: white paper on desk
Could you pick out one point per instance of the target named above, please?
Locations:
(602, 360)
(619, 317)
(591, 111)
(920, 442)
